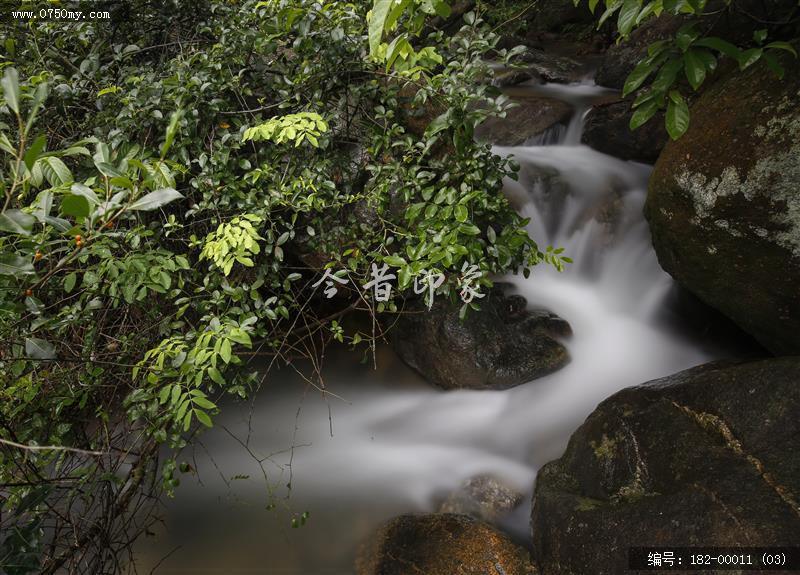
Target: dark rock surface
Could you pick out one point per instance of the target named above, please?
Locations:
(441, 544)
(501, 346)
(708, 456)
(724, 203)
(530, 118)
(606, 130)
(620, 59)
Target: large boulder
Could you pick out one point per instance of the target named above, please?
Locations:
(531, 117)
(706, 457)
(724, 203)
(500, 346)
(606, 129)
(441, 544)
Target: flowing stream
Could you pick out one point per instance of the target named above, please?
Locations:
(391, 443)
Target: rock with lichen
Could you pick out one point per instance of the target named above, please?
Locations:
(706, 457)
(441, 544)
(724, 203)
(483, 497)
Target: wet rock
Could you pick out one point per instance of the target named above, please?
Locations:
(530, 118)
(557, 15)
(442, 544)
(724, 203)
(620, 59)
(550, 67)
(500, 346)
(482, 497)
(505, 78)
(706, 457)
(606, 129)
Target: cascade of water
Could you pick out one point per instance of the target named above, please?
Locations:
(397, 444)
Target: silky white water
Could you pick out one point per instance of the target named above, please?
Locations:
(392, 443)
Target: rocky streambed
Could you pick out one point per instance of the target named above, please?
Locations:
(546, 385)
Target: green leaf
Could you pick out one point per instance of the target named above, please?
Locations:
(749, 57)
(172, 130)
(774, 65)
(666, 77)
(86, 192)
(203, 418)
(720, 46)
(394, 260)
(55, 171)
(643, 113)
(10, 83)
(44, 205)
(32, 153)
(638, 76)
(204, 403)
(695, 68)
(627, 16)
(5, 145)
(677, 115)
(685, 36)
(17, 222)
(380, 9)
(37, 348)
(461, 213)
(75, 206)
(782, 46)
(216, 376)
(14, 265)
(611, 7)
(108, 170)
(760, 35)
(155, 200)
(69, 282)
(225, 351)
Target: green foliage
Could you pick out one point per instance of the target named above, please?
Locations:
(408, 17)
(235, 241)
(690, 57)
(291, 128)
(158, 230)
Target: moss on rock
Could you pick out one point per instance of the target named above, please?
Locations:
(724, 203)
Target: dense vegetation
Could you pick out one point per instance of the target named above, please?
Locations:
(175, 183)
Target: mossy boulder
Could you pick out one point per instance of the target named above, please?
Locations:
(724, 203)
(442, 544)
(706, 457)
(501, 346)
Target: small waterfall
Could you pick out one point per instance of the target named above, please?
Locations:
(396, 444)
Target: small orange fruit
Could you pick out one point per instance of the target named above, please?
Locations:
(37, 256)
(29, 292)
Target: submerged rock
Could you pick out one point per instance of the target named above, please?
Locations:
(500, 346)
(706, 457)
(530, 118)
(482, 497)
(606, 129)
(724, 203)
(441, 544)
